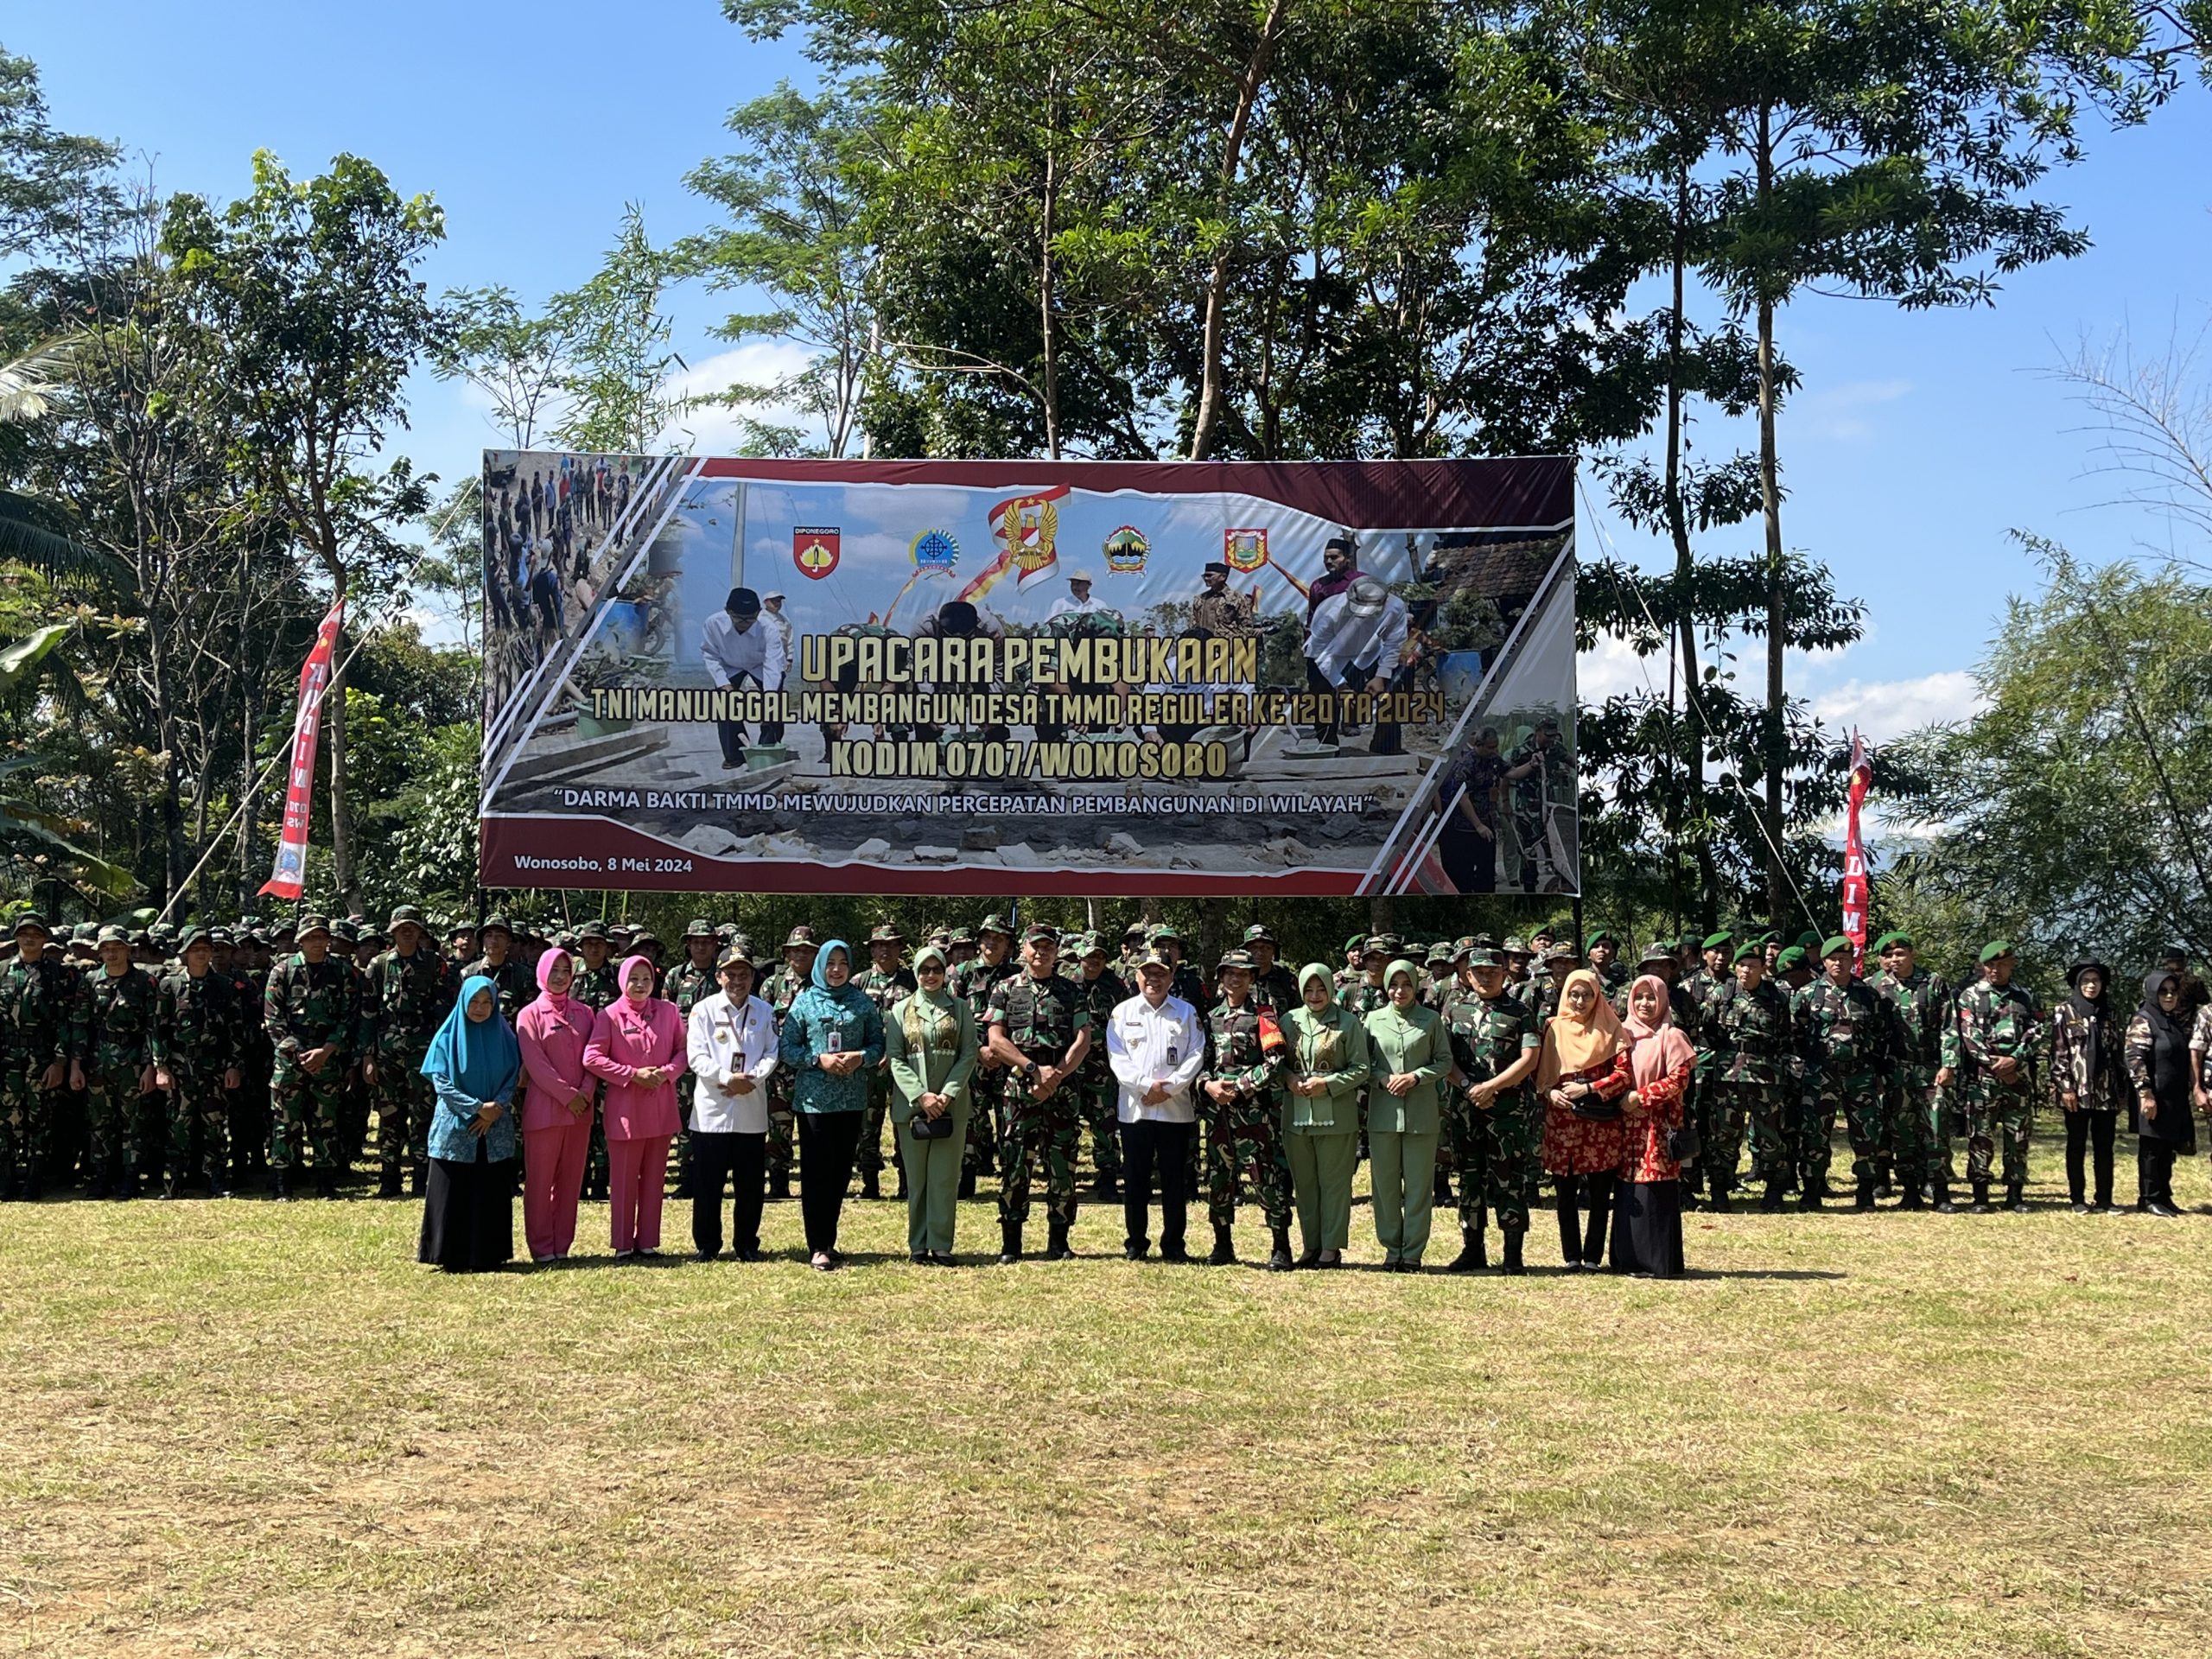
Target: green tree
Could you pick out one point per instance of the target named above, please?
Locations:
(615, 357)
(312, 287)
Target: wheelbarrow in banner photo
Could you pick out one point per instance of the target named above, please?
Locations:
(984, 678)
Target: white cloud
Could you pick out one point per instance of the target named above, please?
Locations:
(1836, 412)
(718, 431)
(1611, 669)
(1883, 710)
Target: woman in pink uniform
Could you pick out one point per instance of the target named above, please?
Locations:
(553, 1031)
(636, 1045)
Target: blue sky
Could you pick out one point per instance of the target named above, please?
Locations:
(1918, 442)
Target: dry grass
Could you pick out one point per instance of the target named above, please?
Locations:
(241, 1429)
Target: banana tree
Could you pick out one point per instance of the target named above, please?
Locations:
(28, 832)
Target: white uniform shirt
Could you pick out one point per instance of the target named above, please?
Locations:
(760, 653)
(1146, 1046)
(1337, 641)
(724, 1042)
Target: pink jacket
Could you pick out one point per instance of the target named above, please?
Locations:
(553, 1043)
(622, 1039)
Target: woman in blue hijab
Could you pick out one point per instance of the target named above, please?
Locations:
(832, 1043)
(473, 1064)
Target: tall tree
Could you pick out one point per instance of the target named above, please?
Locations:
(615, 361)
(312, 287)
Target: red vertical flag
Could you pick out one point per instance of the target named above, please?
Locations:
(288, 877)
(1854, 856)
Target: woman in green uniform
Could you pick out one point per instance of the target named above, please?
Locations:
(1409, 1057)
(929, 1038)
(1325, 1065)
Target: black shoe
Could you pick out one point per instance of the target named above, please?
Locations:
(2016, 1196)
(128, 1189)
(1980, 1206)
(2160, 1208)
(1134, 1251)
(1915, 1197)
(1175, 1253)
(1009, 1241)
(280, 1185)
(1865, 1198)
(919, 1258)
(1224, 1249)
(1442, 1196)
(1811, 1197)
(1770, 1202)
(1474, 1256)
(1719, 1202)
(871, 1183)
(1056, 1242)
(1310, 1259)
(1278, 1256)
(217, 1187)
(388, 1185)
(967, 1184)
(1512, 1262)
(98, 1187)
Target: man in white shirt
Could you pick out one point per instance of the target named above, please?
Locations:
(1355, 643)
(731, 1043)
(736, 649)
(1156, 1048)
(772, 618)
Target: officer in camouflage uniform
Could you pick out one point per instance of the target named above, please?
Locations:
(793, 976)
(1182, 978)
(234, 958)
(39, 1037)
(1040, 1031)
(354, 1098)
(1355, 955)
(1748, 1031)
(510, 977)
(1697, 986)
(1494, 1120)
(1845, 1038)
(596, 985)
(887, 982)
(975, 980)
(115, 1034)
(1520, 970)
(1103, 990)
(407, 993)
(1543, 783)
(1367, 993)
(1243, 1120)
(197, 1039)
(1561, 958)
(1602, 950)
(2002, 1035)
(1441, 981)
(1275, 988)
(690, 982)
(311, 1011)
(1926, 1030)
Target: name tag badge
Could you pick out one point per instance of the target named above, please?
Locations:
(837, 1044)
(1173, 1053)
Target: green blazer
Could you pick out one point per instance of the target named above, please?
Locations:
(1412, 1041)
(930, 1068)
(1330, 1044)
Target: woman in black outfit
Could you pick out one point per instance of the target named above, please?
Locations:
(2090, 1078)
(2158, 1066)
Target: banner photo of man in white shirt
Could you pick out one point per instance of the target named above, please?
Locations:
(1355, 643)
(731, 1043)
(1156, 1048)
(739, 650)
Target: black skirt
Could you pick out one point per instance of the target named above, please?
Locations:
(1647, 1228)
(468, 1214)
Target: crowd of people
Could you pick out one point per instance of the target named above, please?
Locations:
(1463, 1073)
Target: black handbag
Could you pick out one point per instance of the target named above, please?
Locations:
(1683, 1144)
(923, 1127)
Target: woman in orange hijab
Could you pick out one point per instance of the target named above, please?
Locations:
(1582, 1074)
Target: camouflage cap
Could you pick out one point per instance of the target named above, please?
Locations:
(564, 940)
(1041, 933)
(1163, 933)
(960, 936)
(997, 922)
(1516, 946)
(1441, 951)
(1657, 950)
(405, 913)
(495, 920)
(699, 928)
(1134, 931)
(1095, 943)
(591, 930)
(800, 939)
(310, 925)
(1562, 951)
(1481, 958)
(32, 919)
(341, 933)
(644, 937)
(725, 931)
(192, 936)
(1381, 944)
(886, 933)
(161, 931)
(1234, 961)
(113, 935)
(1260, 933)
(85, 932)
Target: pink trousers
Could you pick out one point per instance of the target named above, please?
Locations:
(552, 1174)
(634, 1172)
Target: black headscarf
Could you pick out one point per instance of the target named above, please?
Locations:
(2100, 1042)
(2169, 1060)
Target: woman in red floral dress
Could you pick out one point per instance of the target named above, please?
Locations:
(1582, 1075)
(1648, 1205)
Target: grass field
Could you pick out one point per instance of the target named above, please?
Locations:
(242, 1428)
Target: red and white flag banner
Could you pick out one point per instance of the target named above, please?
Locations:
(1854, 856)
(289, 876)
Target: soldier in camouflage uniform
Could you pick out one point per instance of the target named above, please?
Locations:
(406, 994)
(1542, 781)
(1236, 1095)
(510, 977)
(40, 1040)
(1355, 960)
(1697, 986)
(1560, 959)
(2002, 1035)
(1103, 991)
(690, 982)
(975, 980)
(197, 1039)
(311, 1011)
(1040, 1031)
(1923, 1025)
(795, 975)
(115, 1034)
(235, 958)
(1843, 1033)
(1602, 950)
(596, 986)
(1275, 988)
(1747, 1029)
(887, 982)
(1494, 1120)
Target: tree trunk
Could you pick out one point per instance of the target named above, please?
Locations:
(1213, 927)
(1686, 568)
(1208, 421)
(1771, 506)
(1046, 297)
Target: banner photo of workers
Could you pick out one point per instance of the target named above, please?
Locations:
(1078, 677)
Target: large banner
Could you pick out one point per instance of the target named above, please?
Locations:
(984, 678)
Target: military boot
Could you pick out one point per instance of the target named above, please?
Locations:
(779, 1187)
(1441, 1197)
(1942, 1205)
(1107, 1185)
(99, 1186)
(1770, 1202)
(325, 1181)
(1224, 1249)
(967, 1183)
(419, 1181)
(280, 1185)
(1473, 1256)
(1056, 1242)
(2016, 1196)
(129, 1188)
(1278, 1256)
(1865, 1198)
(1811, 1197)
(1721, 1183)
(1916, 1197)
(387, 1183)
(1512, 1262)
(1980, 1206)
(217, 1187)
(901, 1194)
(1009, 1241)
(172, 1186)
(871, 1183)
